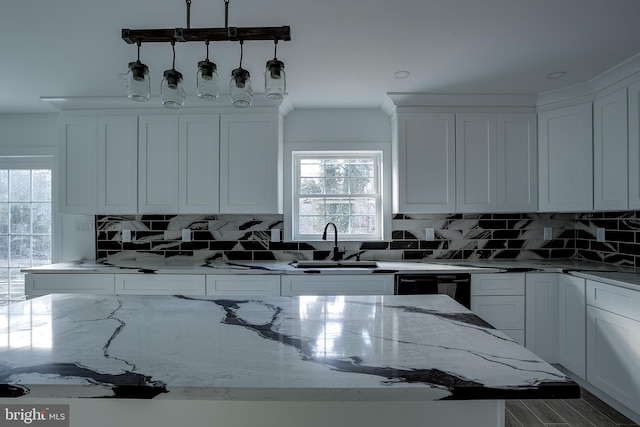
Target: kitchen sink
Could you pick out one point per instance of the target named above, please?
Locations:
(336, 264)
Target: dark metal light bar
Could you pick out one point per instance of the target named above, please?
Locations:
(203, 34)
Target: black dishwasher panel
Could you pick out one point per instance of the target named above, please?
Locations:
(457, 286)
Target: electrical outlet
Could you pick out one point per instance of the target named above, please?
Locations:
(126, 235)
(600, 234)
(548, 233)
(186, 235)
(430, 234)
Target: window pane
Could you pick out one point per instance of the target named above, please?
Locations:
(312, 224)
(41, 250)
(336, 186)
(335, 168)
(16, 284)
(4, 218)
(4, 283)
(363, 224)
(311, 207)
(41, 185)
(20, 251)
(41, 218)
(19, 185)
(4, 185)
(20, 218)
(361, 186)
(311, 168)
(363, 206)
(311, 186)
(4, 251)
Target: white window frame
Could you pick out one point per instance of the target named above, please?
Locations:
(381, 151)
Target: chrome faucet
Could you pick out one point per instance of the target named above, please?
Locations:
(337, 255)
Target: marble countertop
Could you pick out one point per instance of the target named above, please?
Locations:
(358, 348)
(608, 273)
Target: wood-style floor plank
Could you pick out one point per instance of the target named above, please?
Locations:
(510, 419)
(523, 414)
(607, 410)
(591, 413)
(546, 414)
(572, 417)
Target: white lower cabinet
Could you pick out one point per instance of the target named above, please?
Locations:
(160, 284)
(541, 322)
(613, 341)
(341, 284)
(572, 345)
(499, 300)
(258, 285)
(43, 284)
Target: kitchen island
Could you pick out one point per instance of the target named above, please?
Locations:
(339, 360)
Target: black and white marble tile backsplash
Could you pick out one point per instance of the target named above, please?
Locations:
(457, 236)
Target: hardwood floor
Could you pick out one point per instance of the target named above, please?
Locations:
(588, 411)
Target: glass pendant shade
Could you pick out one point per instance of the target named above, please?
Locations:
(207, 80)
(138, 82)
(275, 84)
(172, 90)
(240, 90)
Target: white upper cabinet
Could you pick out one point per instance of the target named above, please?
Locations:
(250, 163)
(565, 159)
(517, 163)
(634, 146)
(610, 164)
(199, 163)
(117, 164)
(424, 163)
(476, 173)
(158, 164)
(77, 179)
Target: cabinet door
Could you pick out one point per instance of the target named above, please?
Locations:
(517, 163)
(53, 283)
(250, 169)
(158, 164)
(160, 284)
(541, 321)
(118, 165)
(327, 284)
(243, 285)
(424, 168)
(77, 160)
(610, 156)
(199, 170)
(634, 146)
(572, 325)
(614, 355)
(565, 153)
(476, 162)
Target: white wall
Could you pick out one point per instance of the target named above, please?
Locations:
(337, 125)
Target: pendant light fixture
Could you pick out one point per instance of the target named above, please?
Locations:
(138, 81)
(275, 85)
(240, 86)
(172, 89)
(207, 78)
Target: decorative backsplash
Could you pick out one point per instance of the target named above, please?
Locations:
(457, 236)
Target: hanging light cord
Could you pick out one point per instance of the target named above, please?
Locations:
(275, 49)
(241, 52)
(206, 42)
(173, 47)
(139, 43)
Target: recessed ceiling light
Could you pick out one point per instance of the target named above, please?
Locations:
(556, 75)
(401, 74)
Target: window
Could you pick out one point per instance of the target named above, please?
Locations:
(25, 221)
(340, 187)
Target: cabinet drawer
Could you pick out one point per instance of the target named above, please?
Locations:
(43, 284)
(243, 285)
(502, 312)
(327, 284)
(160, 284)
(622, 301)
(497, 284)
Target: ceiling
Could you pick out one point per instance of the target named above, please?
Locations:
(343, 53)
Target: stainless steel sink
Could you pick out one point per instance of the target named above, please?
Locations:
(336, 264)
